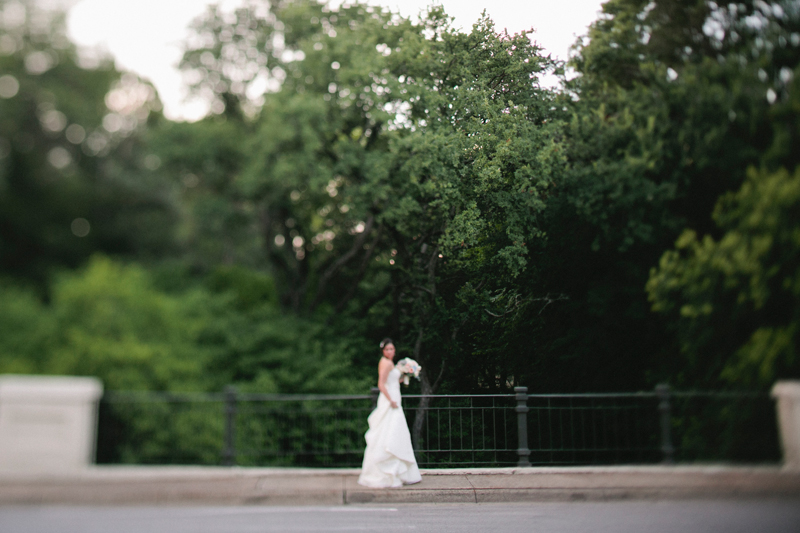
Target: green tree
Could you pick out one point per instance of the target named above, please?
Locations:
(318, 131)
(202, 162)
(672, 103)
(74, 176)
(393, 160)
(29, 329)
(735, 300)
(114, 324)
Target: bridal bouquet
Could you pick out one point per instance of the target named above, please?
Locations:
(408, 367)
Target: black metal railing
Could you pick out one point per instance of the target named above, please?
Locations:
(594, 428)
(466, 430)
(233, 428)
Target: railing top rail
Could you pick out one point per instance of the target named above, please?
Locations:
(177, 397)
(254, 397)
(720, 394)
(157, 396)
(597, 395)
(654, 394)
(459, 396)
(201, 397)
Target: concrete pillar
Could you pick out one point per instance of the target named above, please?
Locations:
(48, 424)
(787, 396)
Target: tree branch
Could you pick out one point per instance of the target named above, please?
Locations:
(340, 262)
(361, 270)
(550, 300)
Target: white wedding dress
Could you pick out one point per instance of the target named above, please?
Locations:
(389, 458)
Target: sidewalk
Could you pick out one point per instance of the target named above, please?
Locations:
(171, 485)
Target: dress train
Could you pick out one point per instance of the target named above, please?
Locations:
(389, 458)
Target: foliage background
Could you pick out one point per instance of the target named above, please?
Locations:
(636, 225)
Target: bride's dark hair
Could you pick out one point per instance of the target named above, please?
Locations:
(385, 341)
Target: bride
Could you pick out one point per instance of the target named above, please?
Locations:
(389, 458)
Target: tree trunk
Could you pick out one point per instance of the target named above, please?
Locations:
(428, 387)
(422, 412)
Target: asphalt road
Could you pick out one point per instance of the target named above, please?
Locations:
(723, 516)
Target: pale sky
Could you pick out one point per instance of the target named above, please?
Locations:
(144, 36)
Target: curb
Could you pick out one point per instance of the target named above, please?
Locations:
(121, 485)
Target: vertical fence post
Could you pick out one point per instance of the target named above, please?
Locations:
(665, 411)
(229, 453)
(375, 392)
(522, 425)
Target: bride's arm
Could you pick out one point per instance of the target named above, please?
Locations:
(384, 367)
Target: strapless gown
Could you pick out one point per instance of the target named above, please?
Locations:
(389, 458)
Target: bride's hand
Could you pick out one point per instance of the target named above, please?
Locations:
(394, 405)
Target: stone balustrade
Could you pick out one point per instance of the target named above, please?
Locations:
(787, 399)
(48, 424)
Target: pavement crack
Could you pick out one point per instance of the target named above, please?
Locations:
(474, 490)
